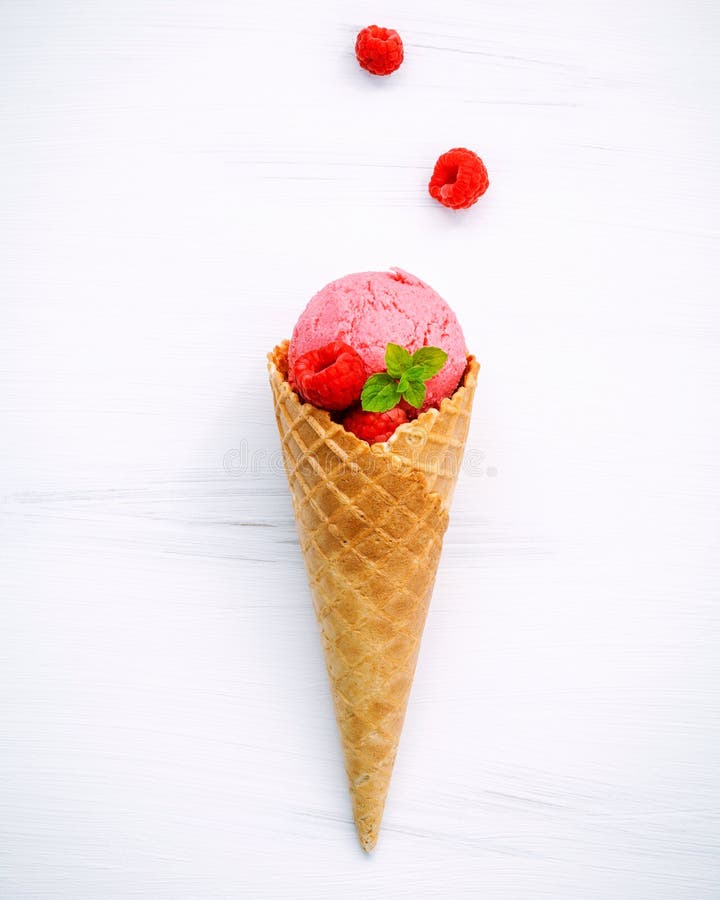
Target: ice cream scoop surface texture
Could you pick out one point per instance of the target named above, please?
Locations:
(368, 310)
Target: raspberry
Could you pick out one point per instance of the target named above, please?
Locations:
(374, 427)
(379, 50)
(459, 179)
(331, 377)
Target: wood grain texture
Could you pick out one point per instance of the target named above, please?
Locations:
(176, 179)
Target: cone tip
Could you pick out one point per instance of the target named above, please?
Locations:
(367, 842)
(367, 834)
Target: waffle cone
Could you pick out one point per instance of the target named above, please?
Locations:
(371, 521)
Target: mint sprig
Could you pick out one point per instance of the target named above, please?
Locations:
(397, 360)
(381, 393)
(404, 379)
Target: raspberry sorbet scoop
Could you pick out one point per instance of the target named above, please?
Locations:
(367, 310)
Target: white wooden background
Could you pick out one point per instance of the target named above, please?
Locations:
(176, 179)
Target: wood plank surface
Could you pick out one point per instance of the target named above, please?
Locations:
(176, 180)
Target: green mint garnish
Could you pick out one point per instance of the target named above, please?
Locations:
(432, 359)
(404, 379)
(413, 375)
(415, 394)
(397, 360)
(380, 393)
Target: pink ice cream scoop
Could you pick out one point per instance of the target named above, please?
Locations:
(368, 310)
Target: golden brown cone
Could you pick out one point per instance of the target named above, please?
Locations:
(371, 521)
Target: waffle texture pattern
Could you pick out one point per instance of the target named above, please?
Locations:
(371, 521)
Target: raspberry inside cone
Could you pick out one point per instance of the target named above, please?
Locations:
(374, 427)
(331, 377)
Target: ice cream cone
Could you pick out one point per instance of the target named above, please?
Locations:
(371, 521)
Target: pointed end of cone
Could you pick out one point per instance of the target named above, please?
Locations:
(368, 803)
(367, 838)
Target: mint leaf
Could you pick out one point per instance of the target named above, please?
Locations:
(431, 359)
(405, 377)
(414, 373)
(380, 393)
(415, 394)
(397, 360)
